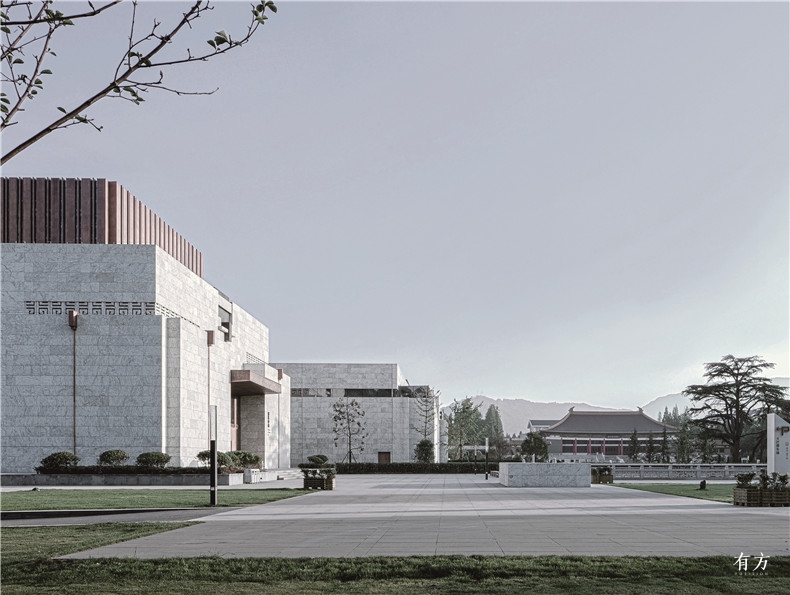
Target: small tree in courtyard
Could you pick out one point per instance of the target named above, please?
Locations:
(427, 406)
(463, 425)
(535, 444)
(349, 426)
(424, 452)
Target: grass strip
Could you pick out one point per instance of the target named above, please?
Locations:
(716, 492)
(45, 499)
(28, 567)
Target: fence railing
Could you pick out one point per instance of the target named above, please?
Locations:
(655, 471)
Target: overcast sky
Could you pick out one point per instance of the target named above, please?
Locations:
(552, 201)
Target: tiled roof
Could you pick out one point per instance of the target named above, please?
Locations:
(607, 422)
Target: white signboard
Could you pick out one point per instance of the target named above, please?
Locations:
(778, 445)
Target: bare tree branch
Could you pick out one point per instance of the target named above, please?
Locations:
(138, 57)
(48, 19)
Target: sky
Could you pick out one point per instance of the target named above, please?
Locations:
(552, 201)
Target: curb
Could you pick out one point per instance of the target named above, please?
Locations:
(8, 515)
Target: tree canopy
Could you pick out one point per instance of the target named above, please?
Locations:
(463, 426)
(735, 395)
(535, 444)
(30, 30)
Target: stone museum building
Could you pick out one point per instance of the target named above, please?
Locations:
(396, 413)
(112, 339)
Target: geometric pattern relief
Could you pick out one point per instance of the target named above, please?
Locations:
(102, 308)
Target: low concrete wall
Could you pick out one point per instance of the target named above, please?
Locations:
(545, 475)
(65, 479)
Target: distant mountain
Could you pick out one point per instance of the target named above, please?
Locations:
(516, 413)
(657, 405)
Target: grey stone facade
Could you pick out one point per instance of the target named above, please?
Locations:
(392, 413)
(139, 359)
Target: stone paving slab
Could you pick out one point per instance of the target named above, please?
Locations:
(401, 515)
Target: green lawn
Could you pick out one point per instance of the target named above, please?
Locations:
(28, 567)
(45, 499)
(716, 492)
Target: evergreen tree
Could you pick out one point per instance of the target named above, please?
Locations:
(535, 444)
(733, 398)
(651, 448)
(463, 426)
(492, 429)
(424, 452)
(664, 446)
(633, 447)
(683, 442)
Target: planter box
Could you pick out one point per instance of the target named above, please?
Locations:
(605, 478)
(230, 479)
(319, 483)
(775, 498)
(746, 497)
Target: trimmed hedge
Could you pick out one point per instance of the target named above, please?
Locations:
(461, 467)
(153, 459)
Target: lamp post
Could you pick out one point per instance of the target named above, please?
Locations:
(213, 450)
(486, 459)
(73, 315)
(212, 426)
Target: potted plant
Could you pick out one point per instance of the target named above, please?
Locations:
(318, 473)
(745, 492)
(605, 475)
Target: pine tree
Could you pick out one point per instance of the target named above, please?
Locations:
(735, 395)
(664, 446)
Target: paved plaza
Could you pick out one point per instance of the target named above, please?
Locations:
(403, 515)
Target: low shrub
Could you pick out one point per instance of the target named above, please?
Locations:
(744, 480)
(112, 458)
(232, 461)
(58, 460)
(153, 459)
(318, 466)
(248, 460)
